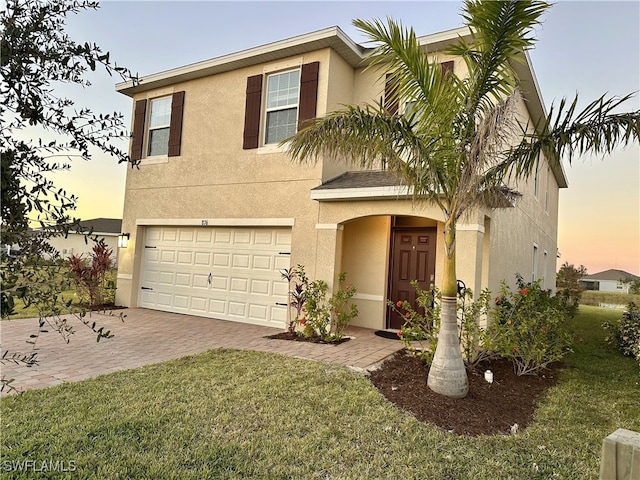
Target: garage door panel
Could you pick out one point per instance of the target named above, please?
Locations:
(183, 279)
(154, 233)
(237, 309)
(221, 260)
(166, 278)
(199, 304)
(200, 281)
(242, 237)
(164, 299)
(281, 263)
(181, 301)
(239, 285)
(219, 283)
(259, 287)
(168, 256)
(151, 255)
(185, 235)
(240, 261)
(204, 235)
(261, 262)
(169, 235)
(227, 273)
(259, 312)
(202, 258)
(280, 289)
(277, 314)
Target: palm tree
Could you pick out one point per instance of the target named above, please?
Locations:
(455, 147)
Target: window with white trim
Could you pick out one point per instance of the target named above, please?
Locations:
(281, 117)
(159, 125)
(534, 267)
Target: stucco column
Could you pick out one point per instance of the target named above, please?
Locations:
(469, 250)
(328, 253)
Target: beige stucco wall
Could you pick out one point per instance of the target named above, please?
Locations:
(75, 244)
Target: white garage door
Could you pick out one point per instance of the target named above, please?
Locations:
(230, 273)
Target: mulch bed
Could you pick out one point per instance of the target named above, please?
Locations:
(100, 308)
(301, 338)
(488, 409)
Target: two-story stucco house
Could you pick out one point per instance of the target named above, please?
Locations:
(217, 208)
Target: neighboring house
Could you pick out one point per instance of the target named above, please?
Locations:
(611, 280)
(217, 209)
(76, 243)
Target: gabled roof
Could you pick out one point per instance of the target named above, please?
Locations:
(355, 54)
(611, 274)
(103, 225)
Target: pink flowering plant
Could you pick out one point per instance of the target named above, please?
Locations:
(528, 326)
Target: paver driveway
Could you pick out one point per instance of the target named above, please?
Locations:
(148, 336)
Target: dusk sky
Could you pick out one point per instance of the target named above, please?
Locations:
(587, 47)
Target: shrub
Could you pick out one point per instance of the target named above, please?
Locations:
(419, 333)
(625, 333)
(316, 314)
(528, 327)
(568, 285)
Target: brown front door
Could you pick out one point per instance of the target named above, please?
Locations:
(413, 255)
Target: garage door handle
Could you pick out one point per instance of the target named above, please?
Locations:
(281, 304)
(146, 288)
(209, 279)
(147, 246)
(284, 253)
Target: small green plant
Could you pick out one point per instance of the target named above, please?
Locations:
(317, 315)
(625, 332)
(419, 333)
(91, 278)
(327, 317)
(528, 327)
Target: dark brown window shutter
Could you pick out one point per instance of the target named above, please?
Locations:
(252, 112)
(447, 68)
(391, 101)
(138, 129)
(175, 127)
(308, 92)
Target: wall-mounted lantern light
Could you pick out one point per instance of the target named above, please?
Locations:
(123, 240)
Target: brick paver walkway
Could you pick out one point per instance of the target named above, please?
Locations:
(148, 336)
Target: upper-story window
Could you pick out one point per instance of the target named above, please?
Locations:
(157, 127)
(282, 106)
(159, 123)
(277, 104)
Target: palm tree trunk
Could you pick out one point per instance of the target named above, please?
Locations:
(447, 375)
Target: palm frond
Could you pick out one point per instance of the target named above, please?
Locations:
(597, 129)
(411, 75)
(500, 32)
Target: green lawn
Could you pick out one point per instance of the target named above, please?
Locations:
(230, 414)
(32, 311)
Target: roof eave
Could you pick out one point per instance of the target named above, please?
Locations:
(332, 37)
